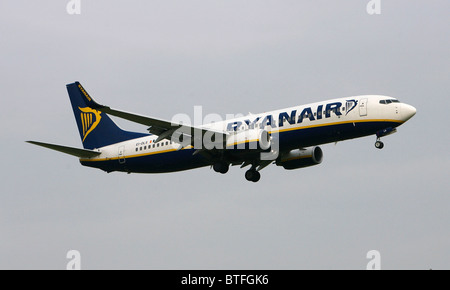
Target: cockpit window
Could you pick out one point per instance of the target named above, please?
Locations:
(385, 102)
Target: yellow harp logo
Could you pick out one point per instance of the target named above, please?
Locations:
(90, 118)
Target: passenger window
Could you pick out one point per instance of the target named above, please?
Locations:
(157, 145)
(145, 147)
(137, 149)
(140, 148)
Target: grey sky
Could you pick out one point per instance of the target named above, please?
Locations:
(161, 58)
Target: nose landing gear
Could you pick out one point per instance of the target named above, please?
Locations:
(379, 144)
(382, 133)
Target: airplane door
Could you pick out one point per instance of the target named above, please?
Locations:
(121, 154)
(363, 107)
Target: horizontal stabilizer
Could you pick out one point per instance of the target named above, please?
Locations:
(82, 153)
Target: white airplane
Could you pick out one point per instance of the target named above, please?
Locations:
(287, 137)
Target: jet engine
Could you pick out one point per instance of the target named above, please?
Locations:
(299, 158)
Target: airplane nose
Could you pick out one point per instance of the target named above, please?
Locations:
(408, 112)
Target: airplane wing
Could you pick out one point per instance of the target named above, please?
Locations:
(82, 153)
(165, 129)
(162, 128)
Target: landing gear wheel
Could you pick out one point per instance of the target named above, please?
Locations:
(379, 145)
(252, 175)
(221, 167)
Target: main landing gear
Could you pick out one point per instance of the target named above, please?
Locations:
(221, 167)
(252, 175)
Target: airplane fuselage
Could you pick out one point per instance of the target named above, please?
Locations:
(297, 127)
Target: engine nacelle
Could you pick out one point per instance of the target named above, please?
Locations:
(256, 139)
(299, 158)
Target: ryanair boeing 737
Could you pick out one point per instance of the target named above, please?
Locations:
(288, 137)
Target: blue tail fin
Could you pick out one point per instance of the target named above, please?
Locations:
(95, 127)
